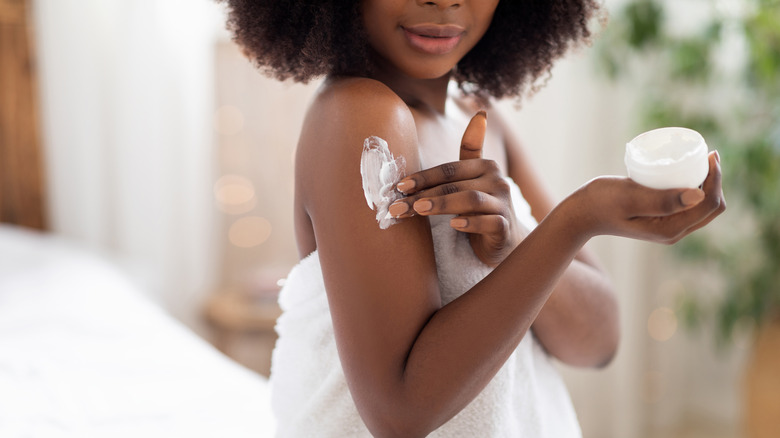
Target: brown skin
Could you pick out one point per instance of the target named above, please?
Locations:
(579, 323)
(401, 350)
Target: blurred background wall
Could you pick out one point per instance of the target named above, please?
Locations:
(166, 150)
(127, 91)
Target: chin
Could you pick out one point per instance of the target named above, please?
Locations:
(422, 71)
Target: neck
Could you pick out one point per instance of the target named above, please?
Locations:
(422, 94)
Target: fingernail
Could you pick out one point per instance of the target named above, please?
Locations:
(458, 222)
(398, 208)
(691, 197)
(483, 113)
(405, 186)
(717, 157)
(423, 205)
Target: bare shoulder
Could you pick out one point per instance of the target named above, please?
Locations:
(342, 115)
(329, 190)
(354, 89)
(376, 313)
(357, 103)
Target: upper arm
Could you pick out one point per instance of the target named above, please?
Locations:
(381, 284)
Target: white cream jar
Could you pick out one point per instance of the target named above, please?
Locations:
(667, 158)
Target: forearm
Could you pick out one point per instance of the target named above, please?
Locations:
(579, 323)
(468, 340)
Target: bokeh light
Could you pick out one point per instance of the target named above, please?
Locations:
(250, 231)
(234, 194)
(662, 324)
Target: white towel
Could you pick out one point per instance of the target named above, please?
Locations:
(310, 397)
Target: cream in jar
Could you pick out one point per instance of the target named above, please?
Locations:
(667, 158)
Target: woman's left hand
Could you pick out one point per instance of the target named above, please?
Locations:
(474, 190)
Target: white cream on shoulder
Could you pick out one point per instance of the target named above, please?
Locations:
(380, 172)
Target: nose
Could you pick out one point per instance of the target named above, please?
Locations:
(441, 4)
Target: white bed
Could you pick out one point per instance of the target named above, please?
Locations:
(84, 354)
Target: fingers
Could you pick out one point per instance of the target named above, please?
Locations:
(474, 137)
(488, 225)
(644, 202)
(447, 173)
(672, 201)
(460, 203)
(467, 196)
(672, 228)
(714, 202)
(470, 149)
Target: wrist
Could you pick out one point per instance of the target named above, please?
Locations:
(573, 218)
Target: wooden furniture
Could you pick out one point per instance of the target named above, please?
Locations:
(21, 170)
(244, 327)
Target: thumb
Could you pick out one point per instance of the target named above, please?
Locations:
(471, 144)
(667, 202)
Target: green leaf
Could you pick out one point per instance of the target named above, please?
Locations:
(644, 20)
(744, 261)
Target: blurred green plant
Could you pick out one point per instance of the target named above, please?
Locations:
(720, 77)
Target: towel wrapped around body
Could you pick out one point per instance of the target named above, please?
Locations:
(310, 397)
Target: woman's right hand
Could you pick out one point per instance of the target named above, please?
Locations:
(621, 207)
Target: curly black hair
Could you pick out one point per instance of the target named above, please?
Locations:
(302, 40)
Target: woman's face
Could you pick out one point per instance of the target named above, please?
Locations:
(426, 39)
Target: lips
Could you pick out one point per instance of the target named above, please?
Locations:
(434, 39)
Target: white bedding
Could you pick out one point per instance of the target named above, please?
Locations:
(84, 354)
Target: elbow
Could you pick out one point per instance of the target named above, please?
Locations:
(395, 428)
(394, 432)
(608, 351)
(606, 359)
(604, 350)
(596, 351)
(397, 419)
(606, 338)
(611, 343)
(587, 359)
